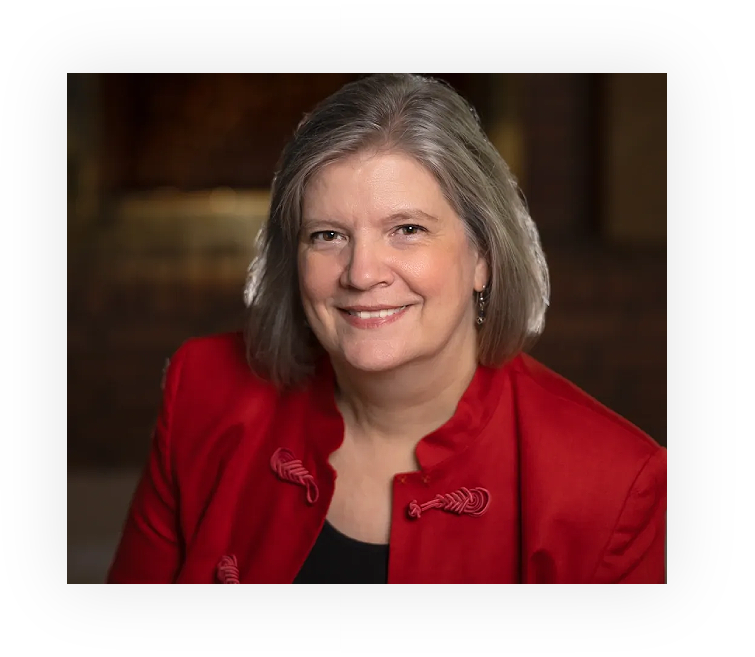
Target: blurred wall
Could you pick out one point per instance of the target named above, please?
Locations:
(168, 178)
(595, 177)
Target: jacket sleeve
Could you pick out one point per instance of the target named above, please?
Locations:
(150, 548)
(635, 553)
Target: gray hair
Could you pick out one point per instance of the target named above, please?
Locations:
(427, 120)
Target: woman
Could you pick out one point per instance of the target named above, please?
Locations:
(378, 421)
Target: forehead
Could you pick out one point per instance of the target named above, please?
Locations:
(380, 183)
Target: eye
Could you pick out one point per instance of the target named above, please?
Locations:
(324, 236)
(410, 229)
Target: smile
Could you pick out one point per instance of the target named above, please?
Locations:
(373, 319)
(369, 314)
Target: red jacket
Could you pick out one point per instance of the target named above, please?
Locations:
(530, 481)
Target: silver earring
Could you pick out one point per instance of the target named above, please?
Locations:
(482, 301)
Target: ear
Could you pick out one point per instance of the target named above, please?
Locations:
(481, 273)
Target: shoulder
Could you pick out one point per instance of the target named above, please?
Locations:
(572, 419)
(593, 485)
(582, 455)
(222, 351)
(214, 408)
(208, 378)
(215, 362)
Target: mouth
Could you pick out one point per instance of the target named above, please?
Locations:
(372, 318)
(373, 314)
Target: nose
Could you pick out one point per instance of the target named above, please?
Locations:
(366, 266)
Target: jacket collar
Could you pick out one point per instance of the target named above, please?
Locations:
(473, 412)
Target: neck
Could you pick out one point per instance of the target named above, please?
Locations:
(403, 405)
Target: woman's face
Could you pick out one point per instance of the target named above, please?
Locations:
(386, 271)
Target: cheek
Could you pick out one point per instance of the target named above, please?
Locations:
(316, 278)
(436, 273)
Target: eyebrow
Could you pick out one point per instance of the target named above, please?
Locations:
(412, 214)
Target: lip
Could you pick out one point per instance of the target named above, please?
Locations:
(370, 309)
(371, 322)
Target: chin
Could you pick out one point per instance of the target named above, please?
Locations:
(374, 358)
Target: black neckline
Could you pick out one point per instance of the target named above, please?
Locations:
(339, 559)
(356, 543)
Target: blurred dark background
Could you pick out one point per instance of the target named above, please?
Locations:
(168, 178)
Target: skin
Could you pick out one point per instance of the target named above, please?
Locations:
(377, 231)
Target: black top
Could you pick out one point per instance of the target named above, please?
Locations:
(339, 559)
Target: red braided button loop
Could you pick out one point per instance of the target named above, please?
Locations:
(289, 468)
(228, 570)
(473, 502)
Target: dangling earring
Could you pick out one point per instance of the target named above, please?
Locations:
(482, 301)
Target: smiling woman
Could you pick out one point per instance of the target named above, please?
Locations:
(379, 421)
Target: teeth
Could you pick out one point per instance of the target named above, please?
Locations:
(376, 313)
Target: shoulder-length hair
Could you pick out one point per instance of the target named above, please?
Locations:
(427, 120)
